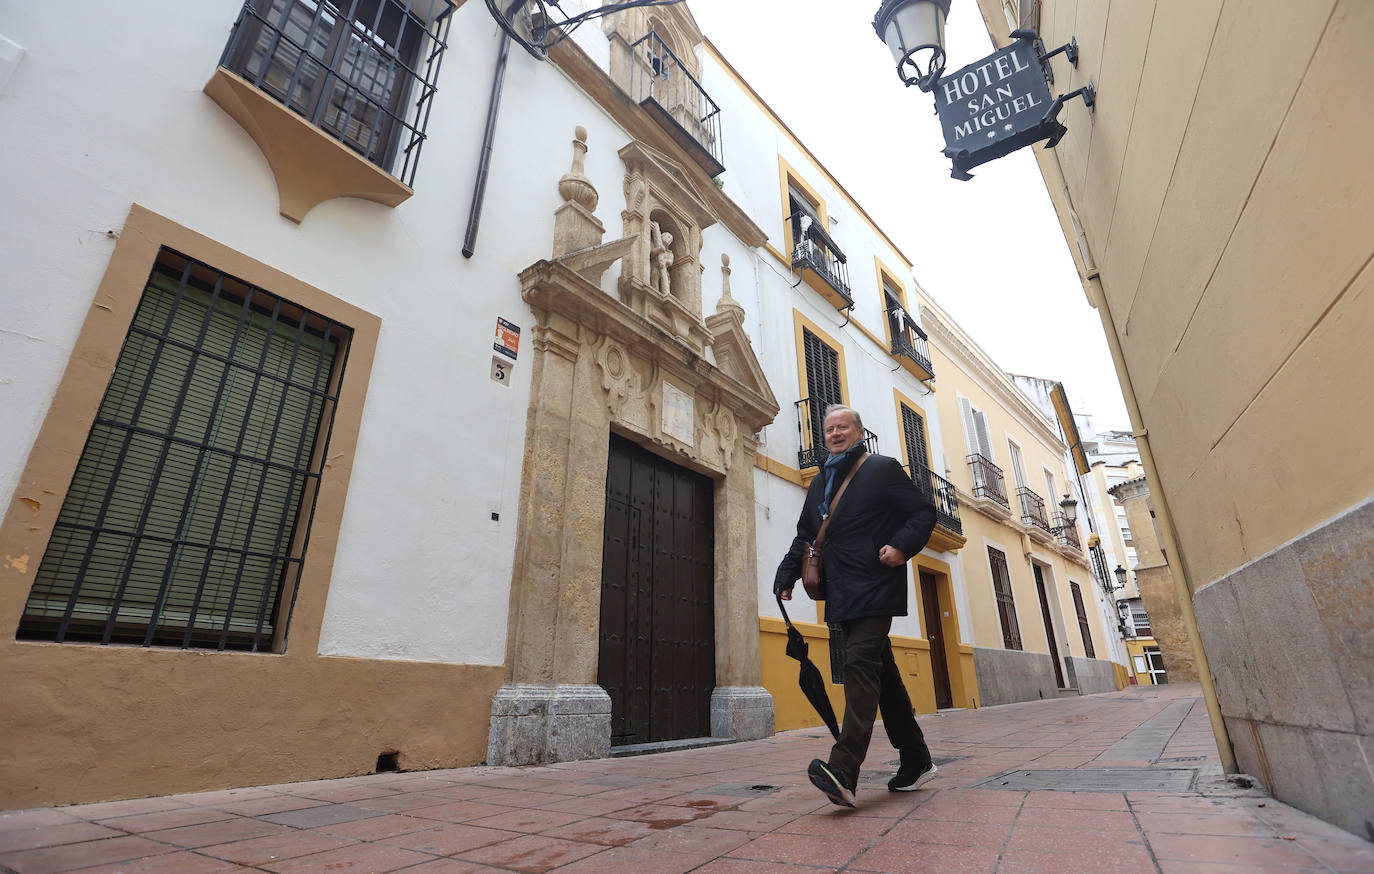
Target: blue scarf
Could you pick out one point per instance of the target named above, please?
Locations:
(831, 468)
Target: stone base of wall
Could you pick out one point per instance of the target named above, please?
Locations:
(1006, 676)
(741, 712)
(1290, 642)
(1160, 596)
(535, 723)
(1091, 676)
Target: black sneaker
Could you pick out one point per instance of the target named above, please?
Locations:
(826, 779)
(913, 774)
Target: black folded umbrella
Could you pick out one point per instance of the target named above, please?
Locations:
(809, 678)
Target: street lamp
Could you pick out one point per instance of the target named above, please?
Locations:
(911, 27)
(1120, 574)
(1070, 508)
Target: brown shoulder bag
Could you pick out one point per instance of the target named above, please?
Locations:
(813, 575)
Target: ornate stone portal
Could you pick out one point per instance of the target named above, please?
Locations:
(635, 365)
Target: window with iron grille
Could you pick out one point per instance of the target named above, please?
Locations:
(187, 520)
(822, 381)
(1140, 620)
(1006, 604)
(361, 70)
(1082, 612)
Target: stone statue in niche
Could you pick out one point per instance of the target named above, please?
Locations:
(660, 258)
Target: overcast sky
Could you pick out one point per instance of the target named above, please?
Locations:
(990, 251)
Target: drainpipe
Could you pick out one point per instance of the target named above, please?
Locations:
(484, 164)
(1182, 588)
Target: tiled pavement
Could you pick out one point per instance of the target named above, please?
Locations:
(744, 808)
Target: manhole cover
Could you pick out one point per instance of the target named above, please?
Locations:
(1095, 780)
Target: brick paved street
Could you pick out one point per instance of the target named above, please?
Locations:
(1122, 782)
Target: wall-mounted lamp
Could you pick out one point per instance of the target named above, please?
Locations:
(914, 31)
(989, 108)
(1070, 508)
(1120, 573)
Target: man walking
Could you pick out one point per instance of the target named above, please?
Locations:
(881, 521)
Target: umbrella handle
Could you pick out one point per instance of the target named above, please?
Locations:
(785, 619)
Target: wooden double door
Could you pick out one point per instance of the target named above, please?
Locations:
(657, 638)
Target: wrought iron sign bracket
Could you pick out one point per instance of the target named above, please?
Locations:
(1089, 95)
(1069, 50)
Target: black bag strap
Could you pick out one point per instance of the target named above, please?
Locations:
(835, 501)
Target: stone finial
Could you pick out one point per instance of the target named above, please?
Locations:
(574, 186)
(575, 225)
(726, 302)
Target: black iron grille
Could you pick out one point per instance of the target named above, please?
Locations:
(1006, 602)
(663, 85)
(363, 71)
(941, 493)
(987, 479)
(813, 249)
(1032, 509)
(907, 337)
(188, 516)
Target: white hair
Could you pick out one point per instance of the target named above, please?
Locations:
(841, 408)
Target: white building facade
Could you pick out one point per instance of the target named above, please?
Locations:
(332, 452)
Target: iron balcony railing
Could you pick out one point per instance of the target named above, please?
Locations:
(663, 86)
(811, 428)
(908, 339)
(1067, 532)
(987, 479)
(1032, 509)
(813, 250)
(942, 493)
(361, 71)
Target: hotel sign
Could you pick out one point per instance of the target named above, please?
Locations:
(995, 106)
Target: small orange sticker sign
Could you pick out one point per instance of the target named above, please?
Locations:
(507, 338)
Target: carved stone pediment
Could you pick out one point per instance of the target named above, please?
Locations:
(730, 343)
(669, 182)
(735, 354)
(650, 344)
(636, 356)
(665, 214)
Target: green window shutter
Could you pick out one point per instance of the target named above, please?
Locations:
(178, 525)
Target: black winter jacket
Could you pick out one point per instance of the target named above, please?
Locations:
(882, 506)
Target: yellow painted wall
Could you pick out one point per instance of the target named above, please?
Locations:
(1226, 205)
(982, 531)
(1136, 647)
(792, 710)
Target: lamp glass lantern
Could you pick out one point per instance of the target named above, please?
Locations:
(1120, 574)
(1070, 508)
(914, 31)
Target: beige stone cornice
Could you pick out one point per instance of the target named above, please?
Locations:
(596, 82)
(1131, 488)
(561, 293)
(993, 380)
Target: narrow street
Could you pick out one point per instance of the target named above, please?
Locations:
(1119, 782)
